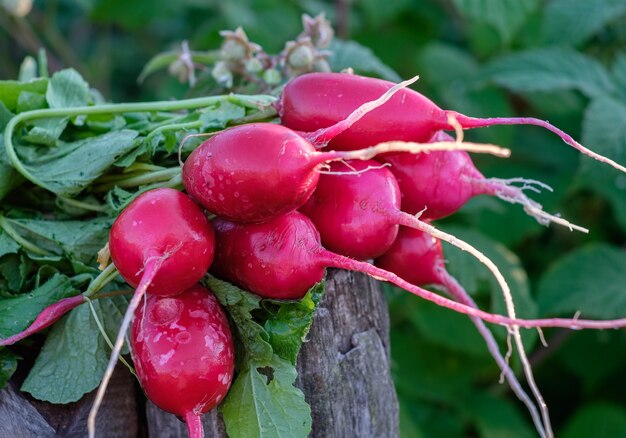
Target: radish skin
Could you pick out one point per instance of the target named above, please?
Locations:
(254, 172)
(184, 354)
(163, 239)
(293, 228)
(314, 101)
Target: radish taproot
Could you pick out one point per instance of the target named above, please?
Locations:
(263, 242)
(418, 258)
(257, 171)
(183, 352)
(439, 183)
(162, 243)
(312, 103)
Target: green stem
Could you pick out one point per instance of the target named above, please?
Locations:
(134, 181)
(104, 278)
(28, 245)
(142, 166)
(256, 101)
(84, 205)
(173, 127)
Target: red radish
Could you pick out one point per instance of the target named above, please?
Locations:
(439, 183)
(272, 259)
(294, 230)
(366, 197)
(46, 318)
(418, 258)
(163, 244)
(162, 226)
(352, 209)
(183, 353)
(257, 171)
(314, 102)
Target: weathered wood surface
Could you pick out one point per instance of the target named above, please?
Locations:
(23, 417)
(343, 371)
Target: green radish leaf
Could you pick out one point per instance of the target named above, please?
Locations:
(68, 169)
(77, 240)
(7, 244)
(75, 355)
(18, 312)
(570, 22)
(239, 305)
(264, 403)
(28, 69)
(46, 131)
(505, 16)
(14, 269)
(349, 54)
(10, 91)
(67, 89)
(572, 284)
(598, 420)
(546, 69)
(8, 365)
(218, 117)
(28, 101)
(288, 326)
(496, 417)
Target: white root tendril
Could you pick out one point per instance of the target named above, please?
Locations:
(151, 267)
(410, 221)
(506, 191)
(456, 291)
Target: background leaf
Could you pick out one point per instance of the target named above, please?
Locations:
(505, 16)
(574, 21)
(8, 365)
(590, 280)
(598, 420)
(547, 69)
(350, 54)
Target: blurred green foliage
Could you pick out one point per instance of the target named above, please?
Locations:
(559, 60)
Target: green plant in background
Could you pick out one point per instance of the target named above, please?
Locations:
(562, 60)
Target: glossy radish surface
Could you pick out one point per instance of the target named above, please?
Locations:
(349, 207)
(415, 256)
(319, 100)
(275, 259)
(163, 244)
(439, 182)
(183, 353)
(258, 171)
(162, 224)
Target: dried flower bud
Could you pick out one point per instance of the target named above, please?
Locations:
(300, 55)
(236, 46)
(253, 65)
(179, 70)
(222, 74)
(318, 29)
(272, 76)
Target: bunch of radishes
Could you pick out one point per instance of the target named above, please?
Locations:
(281, 206)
